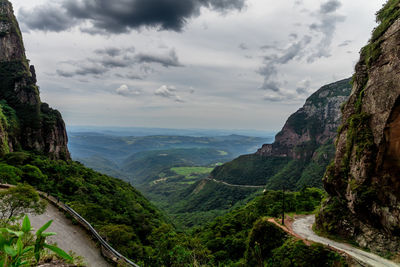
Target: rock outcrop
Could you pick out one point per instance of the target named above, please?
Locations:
(316, 122)
(302, 149)
(26, 122)
(364, 180)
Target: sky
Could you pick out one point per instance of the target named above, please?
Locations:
(214, 64)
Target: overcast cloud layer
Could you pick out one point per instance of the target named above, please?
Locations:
(190, 64)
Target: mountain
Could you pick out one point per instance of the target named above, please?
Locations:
(302, 149)
(364, 180)
(33, 150)
(25, 122)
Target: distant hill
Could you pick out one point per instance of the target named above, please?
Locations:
(302, 149)
(141, 158)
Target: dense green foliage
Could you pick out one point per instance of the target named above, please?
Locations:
(104, 201)
(277, 172)
(295, 253)
(249, 169)
(20, 200)
(226, 237)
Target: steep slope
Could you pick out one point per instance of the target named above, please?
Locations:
(301, 151)
(25, 122)
(364, 179)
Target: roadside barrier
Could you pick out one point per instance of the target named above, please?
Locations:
(106, 249)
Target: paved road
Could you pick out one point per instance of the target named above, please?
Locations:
(69, 237)
(236, 185)
(302, 227)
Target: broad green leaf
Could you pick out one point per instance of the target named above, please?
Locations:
(10, 251)
(20, 245)
(43, 228)
(17, 233)
(58, 251)
(26, 225)
(48, 234)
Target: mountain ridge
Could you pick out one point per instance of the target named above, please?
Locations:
(301, 150)
(26, 122)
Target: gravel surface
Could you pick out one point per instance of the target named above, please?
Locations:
(303, 227)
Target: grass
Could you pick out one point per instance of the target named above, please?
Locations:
(188, 171)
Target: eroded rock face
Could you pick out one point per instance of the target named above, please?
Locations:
(365, 177)
(28, 123)
(316, 122)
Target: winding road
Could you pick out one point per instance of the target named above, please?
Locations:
(70, 237)
(303, 228)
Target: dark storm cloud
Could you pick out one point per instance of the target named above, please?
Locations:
(46, 18)
(112, 58)
(124, 15)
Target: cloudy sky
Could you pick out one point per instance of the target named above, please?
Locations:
(227, 64)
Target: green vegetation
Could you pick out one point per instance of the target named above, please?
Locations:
(102, 200)
(249, 170)
(18, 248)
(20, 200)
(244, 237)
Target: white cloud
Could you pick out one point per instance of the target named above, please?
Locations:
(124, 90)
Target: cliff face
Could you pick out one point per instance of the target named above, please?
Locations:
(26, 122)
(316, 122)
(364, 180)
(302, 149)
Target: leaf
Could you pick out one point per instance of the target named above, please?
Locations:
(58, 251)
(26, 225)
(17, 233)
(10, 251)
(43, 228)
(20, 245)
(48, 234)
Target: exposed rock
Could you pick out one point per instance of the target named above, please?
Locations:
(302, 149)
(317, 121)
(365, 176)
(28, 124)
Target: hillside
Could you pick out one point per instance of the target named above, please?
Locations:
(33, 149)
(302, 149)
(363, 181)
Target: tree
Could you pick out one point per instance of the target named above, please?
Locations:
(19, 200)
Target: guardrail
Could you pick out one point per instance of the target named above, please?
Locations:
(118, 255)
(114, 255)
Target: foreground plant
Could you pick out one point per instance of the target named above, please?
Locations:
(18, 249)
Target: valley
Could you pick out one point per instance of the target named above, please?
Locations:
(199, 197)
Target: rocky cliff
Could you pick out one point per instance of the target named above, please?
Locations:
(25, 122)
(364, 180)
(302, 149)
(314, 124)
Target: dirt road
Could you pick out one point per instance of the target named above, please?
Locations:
(302, 227)
(70, 237)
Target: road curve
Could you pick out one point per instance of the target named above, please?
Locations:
(70, 237)
(235, 185)
(303, 227)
